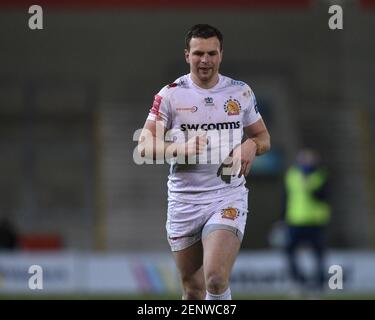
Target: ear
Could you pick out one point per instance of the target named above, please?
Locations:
(187, 55)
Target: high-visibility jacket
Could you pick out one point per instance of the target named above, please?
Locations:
(302, 207)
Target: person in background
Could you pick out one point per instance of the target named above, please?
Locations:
(306, 215)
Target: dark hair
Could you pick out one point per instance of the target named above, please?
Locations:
(204, 31)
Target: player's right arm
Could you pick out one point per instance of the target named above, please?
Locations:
(152, 144)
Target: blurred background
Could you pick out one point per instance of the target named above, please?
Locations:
(73, 94)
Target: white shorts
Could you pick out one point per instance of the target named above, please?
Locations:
(188, 223)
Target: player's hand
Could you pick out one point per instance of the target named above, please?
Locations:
(238, 162)
(196, 145)
(243, 157)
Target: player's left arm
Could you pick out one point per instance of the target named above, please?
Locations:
(258, 134)
(257, 141)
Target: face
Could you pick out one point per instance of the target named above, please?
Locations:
(204, 58)
(307, 158)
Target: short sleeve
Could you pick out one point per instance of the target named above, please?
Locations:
(251, 114)
(160, 110)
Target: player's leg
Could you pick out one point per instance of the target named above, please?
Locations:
(184, 225)
(189, 264)
(220, 251)
(221, 237)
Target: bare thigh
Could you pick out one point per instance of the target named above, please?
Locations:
(189, 263)
(220, 250)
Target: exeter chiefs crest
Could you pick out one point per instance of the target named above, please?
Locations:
(232, 107)
(229, 213)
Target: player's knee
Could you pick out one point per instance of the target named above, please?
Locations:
(193, 294)
(216, 283)
(193, 288)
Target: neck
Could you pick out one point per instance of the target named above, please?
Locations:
(205, 84)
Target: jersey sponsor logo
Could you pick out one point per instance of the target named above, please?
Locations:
(232, 107)
(183, 84)
(156, 105)
(229, 213)
(237, 83)
(189, 109)
(210, 126)
(209, 101)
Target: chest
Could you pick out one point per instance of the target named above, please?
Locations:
(193, 107)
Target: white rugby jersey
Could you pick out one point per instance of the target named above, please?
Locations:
(222, 112)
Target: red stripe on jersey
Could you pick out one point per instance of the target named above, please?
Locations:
(156, 105)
